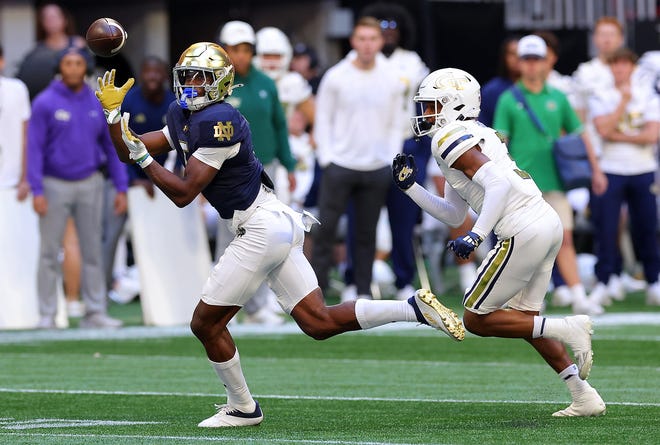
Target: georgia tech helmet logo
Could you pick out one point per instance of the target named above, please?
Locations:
(447, 83)
(223, 131)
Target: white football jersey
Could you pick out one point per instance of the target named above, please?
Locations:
(524, 203)
(411, 71)
(627, 158)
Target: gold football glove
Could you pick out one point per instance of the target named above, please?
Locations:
(111, 97)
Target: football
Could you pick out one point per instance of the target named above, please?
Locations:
(106, 37)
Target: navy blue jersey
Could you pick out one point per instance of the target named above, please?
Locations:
(220, 125)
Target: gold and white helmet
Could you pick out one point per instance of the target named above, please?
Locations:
(209, 63)
(445, 96)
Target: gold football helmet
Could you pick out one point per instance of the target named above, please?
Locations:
(203, 75)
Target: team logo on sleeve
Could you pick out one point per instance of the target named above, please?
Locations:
(223, 131)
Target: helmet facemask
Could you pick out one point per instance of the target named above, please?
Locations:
(196, 87)
(273, 52)
(274, 65)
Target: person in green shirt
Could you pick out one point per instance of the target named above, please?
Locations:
(532, 151)
(257, 100)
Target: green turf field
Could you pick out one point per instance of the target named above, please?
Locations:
(389, 386)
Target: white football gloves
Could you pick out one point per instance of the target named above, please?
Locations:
(138, 151)
(111, 96)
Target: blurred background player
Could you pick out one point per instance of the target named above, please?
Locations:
(591, 77)
(273, 57)
(627, 118)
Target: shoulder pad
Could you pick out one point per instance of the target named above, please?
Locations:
(452, 140)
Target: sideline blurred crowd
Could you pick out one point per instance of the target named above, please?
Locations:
(327, 140)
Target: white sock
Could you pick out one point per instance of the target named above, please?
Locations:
(467, 274)
(231, 375)
(372, 313)
(555, 328)
(571, 377)
(539, 326)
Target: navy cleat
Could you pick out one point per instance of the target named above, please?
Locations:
(433, 313)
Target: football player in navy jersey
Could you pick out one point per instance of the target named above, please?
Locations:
(213, 141)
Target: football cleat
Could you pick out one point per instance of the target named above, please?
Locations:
(579, 339)
(587, 404)
(431, 312)
(227, 416)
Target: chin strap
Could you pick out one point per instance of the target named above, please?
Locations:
(231, 88)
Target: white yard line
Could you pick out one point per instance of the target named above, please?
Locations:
(299, 397)
(239, 330)
(196, 439)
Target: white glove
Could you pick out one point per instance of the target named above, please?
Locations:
(137, 150)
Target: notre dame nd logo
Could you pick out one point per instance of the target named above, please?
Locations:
(223, 131)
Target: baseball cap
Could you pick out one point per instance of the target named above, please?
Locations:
(75, 50)
(236, 32)
(532, 46)
(82, 52)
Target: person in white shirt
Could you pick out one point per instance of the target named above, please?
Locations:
(396, 226)
(595, 74)
(402, 214)
(14, 116)
(357, 131)
(590, 78)
(507, 296)
(627, 118)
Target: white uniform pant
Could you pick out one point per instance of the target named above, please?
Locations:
(267, 246)
(517, 270)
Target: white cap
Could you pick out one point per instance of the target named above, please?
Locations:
(532, 46)
(236, 32)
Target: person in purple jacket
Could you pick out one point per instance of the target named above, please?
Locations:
(68, 144)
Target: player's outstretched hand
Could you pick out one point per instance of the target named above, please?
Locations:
(404, 171)
(137, 150)
(111, 96)
(463, 246)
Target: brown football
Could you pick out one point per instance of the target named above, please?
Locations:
(106, 37)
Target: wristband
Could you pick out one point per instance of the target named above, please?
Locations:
(144, 161)
(112, 116)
